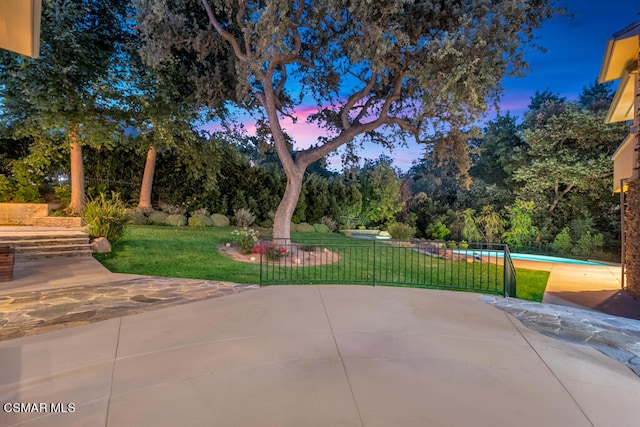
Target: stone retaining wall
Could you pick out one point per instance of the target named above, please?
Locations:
(22, 213)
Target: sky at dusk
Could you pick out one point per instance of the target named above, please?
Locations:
(575, 46)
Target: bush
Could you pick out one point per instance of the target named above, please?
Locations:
(201, 211)
(135, 217)
(304, 227)
(177, 220)
(63, 193)
(437, 230)
(219, 220)
(246, 240)
(401, 231)
(200, 220)
(321, 228)
(157, 218)
(588, 244)
(267, 223)
(105, 217)
(6, 189)
(271, 252)
(331, 224)
(174, 210)
(563, 243)
(244, 218)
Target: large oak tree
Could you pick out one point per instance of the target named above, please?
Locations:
(378, 71)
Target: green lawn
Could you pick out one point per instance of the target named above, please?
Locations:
(192, 253)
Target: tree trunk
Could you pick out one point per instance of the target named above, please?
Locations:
(147, 178)
(76, 206)
(282, 219)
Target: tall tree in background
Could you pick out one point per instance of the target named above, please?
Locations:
(66, 95)
(569, 150)
(405, 69)
(167, 98)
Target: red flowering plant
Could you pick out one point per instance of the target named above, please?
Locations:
(270, 251)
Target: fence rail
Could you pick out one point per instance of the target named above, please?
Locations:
(474, 267)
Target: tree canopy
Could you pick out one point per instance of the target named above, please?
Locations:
(407, 69)
(66, 96)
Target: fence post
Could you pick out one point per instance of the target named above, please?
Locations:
(260, 268)
(374, 262)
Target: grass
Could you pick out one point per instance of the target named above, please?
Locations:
(531, 283)
(191, 252)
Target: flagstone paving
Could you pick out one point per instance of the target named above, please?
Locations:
(28, 313)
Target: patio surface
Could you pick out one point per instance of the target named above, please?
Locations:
(310, 355)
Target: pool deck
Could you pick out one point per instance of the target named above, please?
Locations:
(585, 286)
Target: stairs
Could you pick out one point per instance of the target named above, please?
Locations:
(36, 243)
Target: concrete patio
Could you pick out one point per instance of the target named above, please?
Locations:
(313, 355)
(316, 355)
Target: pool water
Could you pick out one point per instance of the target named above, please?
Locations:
(533, 257)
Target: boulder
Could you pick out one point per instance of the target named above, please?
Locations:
(100, 245)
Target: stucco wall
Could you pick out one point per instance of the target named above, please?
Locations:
(21, 213)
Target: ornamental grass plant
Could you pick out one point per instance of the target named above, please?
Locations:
(106, 217)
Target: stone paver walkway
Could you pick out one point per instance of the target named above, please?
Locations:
(32, 312)
(617, 337)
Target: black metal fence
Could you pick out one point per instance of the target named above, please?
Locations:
(473, 267)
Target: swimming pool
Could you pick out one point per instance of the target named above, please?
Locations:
(531, 257)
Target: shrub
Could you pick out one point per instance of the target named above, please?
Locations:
(271, 252)
(174, 210)
(331, 224)
(321, 228)
(6, 188)
(135, 217)
(563, 243)
(464, 245)
(219, 220)
(437, 230)
(588, 244)
(63, 193)
(200, 220)
(451, 244)
(201, 211)
(401, 231)
(157, 218)
(177, 220)
(105, 217)
(246, 240)
(244, 217)
(267, 223)
(146, 211)
(304, 227)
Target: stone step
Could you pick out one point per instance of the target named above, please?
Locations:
(9, 237)
(71, 241)
(57, 221)
(52, 248)
(35, 243)
(60, 254)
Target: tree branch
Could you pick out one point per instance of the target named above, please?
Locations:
(558, 198)
(354, 99)
(225, 34)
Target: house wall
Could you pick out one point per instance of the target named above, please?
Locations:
(624, 161)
